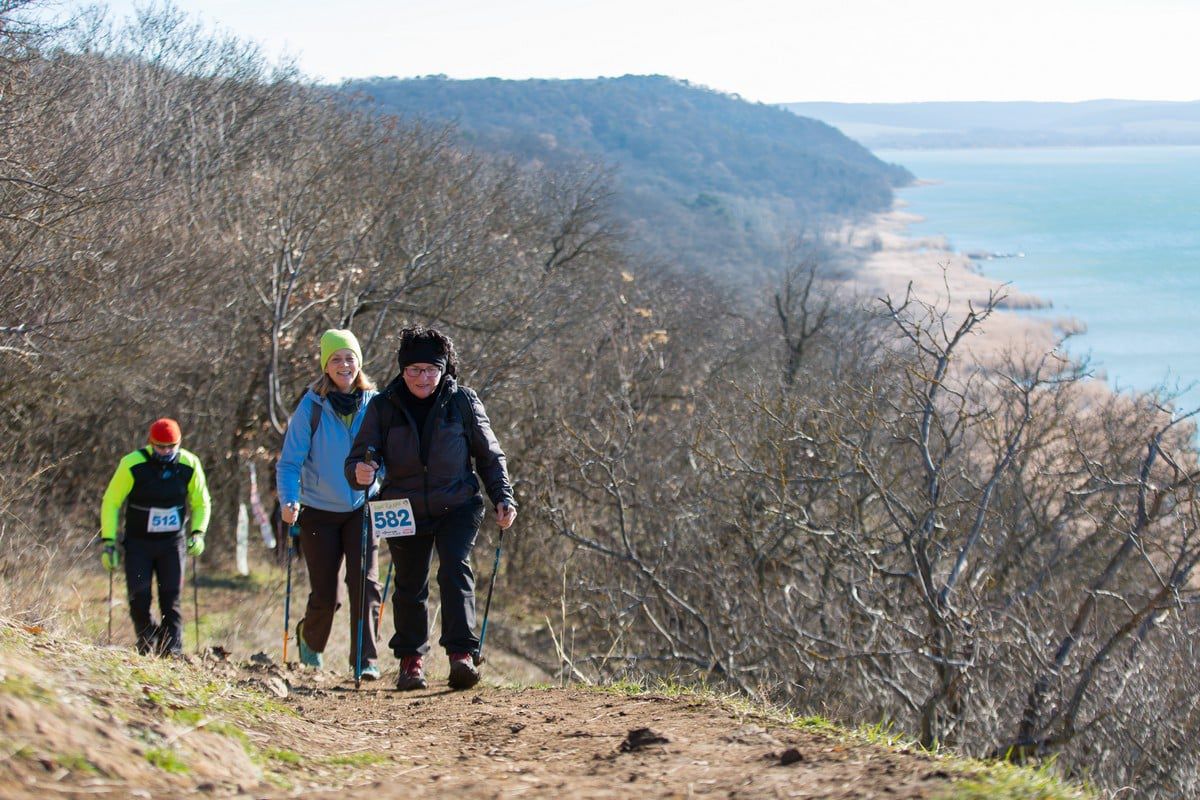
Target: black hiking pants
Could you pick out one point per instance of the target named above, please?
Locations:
(147, 558)
(454, 536)
(326, 539)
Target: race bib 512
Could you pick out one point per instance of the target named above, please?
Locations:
(164, 520)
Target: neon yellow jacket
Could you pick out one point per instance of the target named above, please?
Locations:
(147, 483)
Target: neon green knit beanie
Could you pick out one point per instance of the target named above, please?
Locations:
(333, 340)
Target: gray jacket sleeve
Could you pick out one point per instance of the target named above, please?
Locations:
(490, 461)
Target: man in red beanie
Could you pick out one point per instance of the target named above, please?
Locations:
(163, 490)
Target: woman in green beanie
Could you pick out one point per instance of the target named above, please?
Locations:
(313, 489)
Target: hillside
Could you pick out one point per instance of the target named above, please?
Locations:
(795, 496)
(705, 177)
(1011, 124)
(80, 721)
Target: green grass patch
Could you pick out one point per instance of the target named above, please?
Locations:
(185, 716)
(77, 763)
(195, 718)
(23, 751)
(277, 780)
(1000, 781)
(259, 709)
(283, 756)
(213, 626)
(660, 687)
(166, 760)
(885, 735)
(9, 637)
(23, 687)
(231, 731)
(260, 579)
(364, 759)
(166, 685)
(149, 673)
(814, 724)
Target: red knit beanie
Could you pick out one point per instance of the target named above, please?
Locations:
(165, 431)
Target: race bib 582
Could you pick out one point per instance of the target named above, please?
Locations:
(391, 518)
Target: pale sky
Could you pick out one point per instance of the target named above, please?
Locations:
(764, 50)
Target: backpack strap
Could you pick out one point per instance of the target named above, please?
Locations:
(314, 419)
(314, 416)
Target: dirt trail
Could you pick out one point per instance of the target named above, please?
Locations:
(78, 721)
(82, 721)
(577, 743)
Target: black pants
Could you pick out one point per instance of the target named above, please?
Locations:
(327, 537)
(454, 536)
(145, 559)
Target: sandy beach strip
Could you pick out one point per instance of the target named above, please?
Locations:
(887, 259)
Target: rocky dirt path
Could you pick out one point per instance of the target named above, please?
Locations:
(580, 743)
(78, 721)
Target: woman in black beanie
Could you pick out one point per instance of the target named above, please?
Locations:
(426, 430)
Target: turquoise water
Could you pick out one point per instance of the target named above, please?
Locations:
(1109, 235)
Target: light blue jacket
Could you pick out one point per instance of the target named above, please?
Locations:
(310, 469)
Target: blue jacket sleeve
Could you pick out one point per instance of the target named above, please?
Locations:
(296, 443)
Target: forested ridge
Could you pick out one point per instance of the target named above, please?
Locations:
(703, 178)
(811, 499)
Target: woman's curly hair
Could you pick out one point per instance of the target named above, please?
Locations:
(441, 343)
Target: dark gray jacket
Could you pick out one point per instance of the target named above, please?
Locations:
(432, 470)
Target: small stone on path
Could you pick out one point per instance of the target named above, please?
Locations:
(639, 738)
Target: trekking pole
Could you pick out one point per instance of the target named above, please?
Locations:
(196, 604)
(383, 600)
(110, 587)
(293, 533)
(362, 578)
(487, 607)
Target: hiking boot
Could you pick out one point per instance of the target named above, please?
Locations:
(149, 640)
(412, 674)
(308, 656)
(463, 674)
(370, 673)
(167, 643)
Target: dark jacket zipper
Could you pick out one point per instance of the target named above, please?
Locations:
(423, 437)
(426, 436)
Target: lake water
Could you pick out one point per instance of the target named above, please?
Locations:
(1109, 235)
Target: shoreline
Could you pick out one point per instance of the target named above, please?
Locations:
(886, 258)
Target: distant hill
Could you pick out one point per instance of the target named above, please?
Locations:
(706, 178)
(1016, 124)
